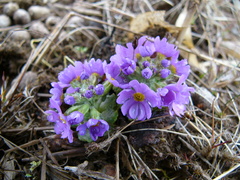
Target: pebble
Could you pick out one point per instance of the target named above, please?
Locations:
(21, 16)
(10, 8)
(5, 21)
(20, 35)
(51, 21)
(37, 12)
(38, 30)
(29, 78)
(75, 22)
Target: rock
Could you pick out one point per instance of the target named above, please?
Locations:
(20, 35)
(51, 21)
(29, 79)
(75, 22)
(10, 8)
(38, 30)
(5, 21)
(21, 16)
(37, 12)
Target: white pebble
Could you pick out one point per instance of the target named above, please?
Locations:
(51, 21)
(21, 16)
(5, 21)
(75, 21)
(10, 8)
(37, 12)
(20, 35)
(38, 30)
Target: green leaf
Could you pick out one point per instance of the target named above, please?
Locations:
(108, 103)
(110, 116)
(86, 137)
(28, 175)
(34, 165)
(95, 114)
(83, 108)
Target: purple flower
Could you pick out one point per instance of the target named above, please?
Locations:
(54, 104)
(99, 89)
(147, 73)
(88, 94)
(57, 93)
(79, 68)
(69, 100)
(166, 49)
(96, 127)
(137, 101)
(123, 52)
(75, 118)
(165, 73)
(94, 66)
(66, 76)
(146, 46)
(114, 75)
(180, 67)
(64, 129)
(82, 129)
(125, 58)
(52, 116)
(62, 125)
(176, 96)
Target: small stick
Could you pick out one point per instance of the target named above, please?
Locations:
(48, 151)
(61, 154)
(43, 169)
(227, 172)
(117, 160)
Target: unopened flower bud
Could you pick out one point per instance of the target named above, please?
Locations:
(88, 94)
(69, 100)
(99, 89)
(146, 64)
(165, 63)
(165, 73)
(147, 73)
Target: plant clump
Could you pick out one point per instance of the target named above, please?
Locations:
(142, 77)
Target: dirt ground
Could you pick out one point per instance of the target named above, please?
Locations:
(203, 144)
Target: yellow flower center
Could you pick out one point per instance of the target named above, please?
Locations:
(78, 78)
(138, 96)
(95, 74)
(160, 56)
(173, 69)
(63, 120)
(138, 56)
(96, 125)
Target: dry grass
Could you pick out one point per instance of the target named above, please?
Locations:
(205, 144)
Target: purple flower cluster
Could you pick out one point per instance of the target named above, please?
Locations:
(68, 90)
(144, 75)
(142, 72)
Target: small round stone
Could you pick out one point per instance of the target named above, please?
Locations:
(38, 30)
(5, 21)
(51, 21)
(21, 16)
(37, 12)
(75, 22)
(10, 8)
(20, 35)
